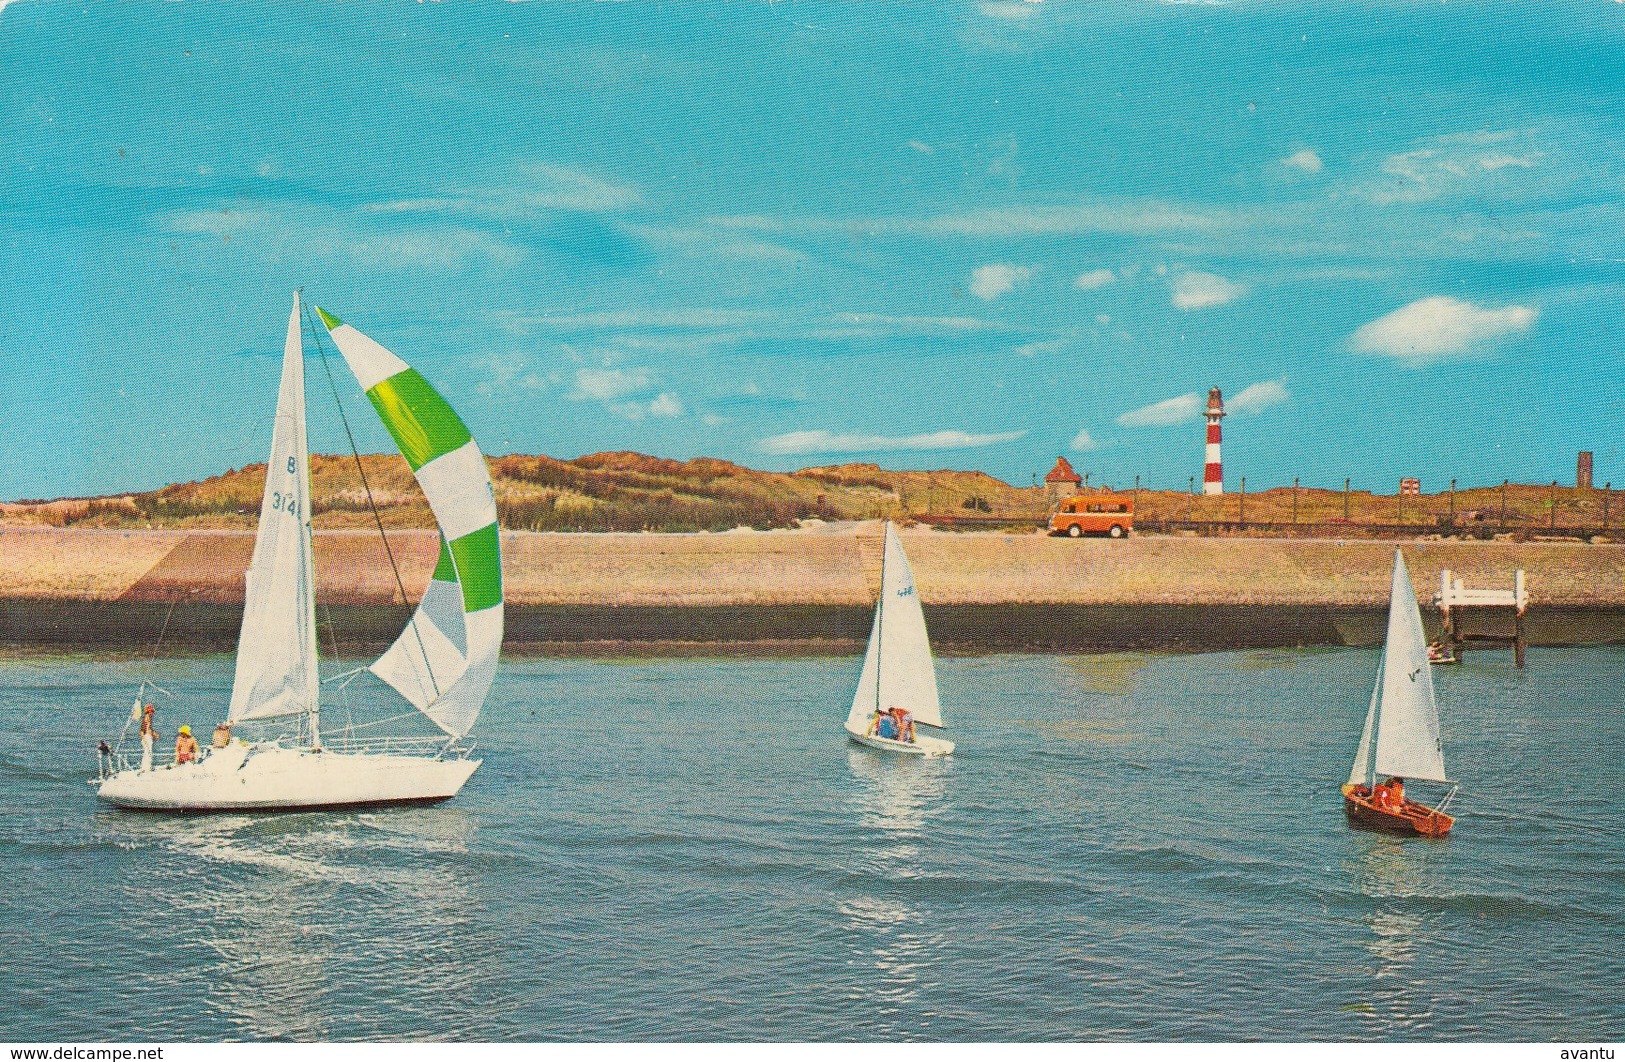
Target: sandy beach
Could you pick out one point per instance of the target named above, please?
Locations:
(808, 587)
(831, 565)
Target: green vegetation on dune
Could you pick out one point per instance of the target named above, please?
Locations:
(625, 491)
(599, 492)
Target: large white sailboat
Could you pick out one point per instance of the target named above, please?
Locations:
(897, 670)
(443, 663)
(1401, 736)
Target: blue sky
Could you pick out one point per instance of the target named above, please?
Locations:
(969, 235)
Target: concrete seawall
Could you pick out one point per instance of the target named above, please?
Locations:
(808, 589)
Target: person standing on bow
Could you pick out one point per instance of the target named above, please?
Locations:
(148, 735)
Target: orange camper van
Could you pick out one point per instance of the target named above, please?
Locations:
(1094, 514)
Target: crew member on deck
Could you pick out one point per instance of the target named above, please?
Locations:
(148, 734)
(1390, 794)
(185, 746)
(885, 726)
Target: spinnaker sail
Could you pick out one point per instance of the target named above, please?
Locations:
(446, 659)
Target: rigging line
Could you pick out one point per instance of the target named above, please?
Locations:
(161, 632)
(332, 634)
(321, 349)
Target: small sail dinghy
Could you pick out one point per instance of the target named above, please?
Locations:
(1401, 737)
(443, 663)
(897, 671)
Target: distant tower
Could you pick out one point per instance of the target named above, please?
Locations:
(1213, 473)
(1582, 470)
(1062, 482)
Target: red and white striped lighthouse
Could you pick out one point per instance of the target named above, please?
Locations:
(1213, 472)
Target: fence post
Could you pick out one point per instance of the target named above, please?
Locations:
(1400, 514)
(1504, 506)
(1241, 516)
(1294, 499)
(1452, 501)
(1345, 499)
(1607, 489)
(1136, 502)
(1551, 502)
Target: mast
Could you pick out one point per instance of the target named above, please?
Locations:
(306, 536)
(880, 614)
(1376, 724)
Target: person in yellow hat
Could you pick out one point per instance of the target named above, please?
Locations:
(185, 746)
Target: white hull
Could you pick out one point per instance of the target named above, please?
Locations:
(920, 746)
(260, 777)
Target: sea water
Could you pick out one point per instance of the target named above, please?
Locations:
(1125, 847)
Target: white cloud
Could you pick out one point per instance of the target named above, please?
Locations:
(609, 384)
(1461, 163)
(1095, 278)
(1084, 441)
(991, 281)
(288, 231)
(1017, 10)
(1305, 160)
(825, 442)
(530, 189)
(666, 405)
(507, 372)
(1048, 346)
(1258, 397)
(1438, 328)
(1161, 414)
(1198, 291)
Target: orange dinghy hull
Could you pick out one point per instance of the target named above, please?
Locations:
(1412, 819)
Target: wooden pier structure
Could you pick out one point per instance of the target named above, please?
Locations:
(1456, 603)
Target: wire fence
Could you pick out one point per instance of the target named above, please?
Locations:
(1508, 510)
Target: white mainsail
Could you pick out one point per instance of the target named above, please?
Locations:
(1403, 720)
(276, 652)
(897, 670)
(446, 659)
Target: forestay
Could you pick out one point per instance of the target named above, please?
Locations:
(1403, 719)
(446, 658)
(276, 652)
(897, 671)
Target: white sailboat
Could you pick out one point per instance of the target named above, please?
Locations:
(897, 670)
(1401, 735)
(443, 663)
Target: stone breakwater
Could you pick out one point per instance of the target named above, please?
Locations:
(802, 588)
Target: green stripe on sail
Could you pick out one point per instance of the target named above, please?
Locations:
(328, 319)
(445, 571)
(479, 568)
(423, 425)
